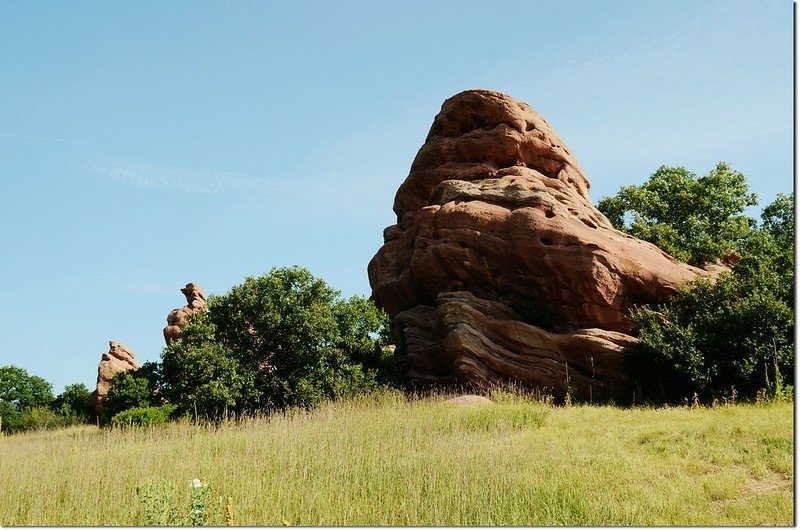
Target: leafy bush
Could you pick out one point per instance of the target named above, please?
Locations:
(711, 337)
(282, 339)
(736, 332)
(73, 404)
(40, 418)
(203, 376)
(694, 219)
(360, 323)
(9, 417)
(128, 390)
(144, 416)
(161, 507)
(22, 389)
(19, 392)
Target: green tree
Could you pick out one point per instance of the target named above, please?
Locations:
(10, 417)
(694, 219)
(281, 339)
(20, 391)
(283, 326)
(736, 332)
(73, 404)
(364, 330)
(281, 319)
(128, 390)
(778, 219)
(768, 253)
(202, 377)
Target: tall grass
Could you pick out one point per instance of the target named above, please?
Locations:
(387, 460)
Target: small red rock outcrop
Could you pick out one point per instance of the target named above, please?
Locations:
(118, 359)
(500, 268)
(176, 320)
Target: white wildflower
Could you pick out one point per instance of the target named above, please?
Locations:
(197, 484)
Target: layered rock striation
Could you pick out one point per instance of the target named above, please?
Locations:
(500, 268)
(176, 320)
(118, 359)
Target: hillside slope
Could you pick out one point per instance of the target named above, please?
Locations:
(384, 460)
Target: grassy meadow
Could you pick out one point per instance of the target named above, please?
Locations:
(388, 460)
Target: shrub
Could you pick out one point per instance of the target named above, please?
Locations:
(9, 417)
(40, 418)
(711, 337)
(694, 219)
(282, 339)
(128, 390)
(736, 332)
(160, 507)
(73, 404)
(20, 391)
(202, 376)
(144, 416)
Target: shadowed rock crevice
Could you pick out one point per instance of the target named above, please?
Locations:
(495, 214)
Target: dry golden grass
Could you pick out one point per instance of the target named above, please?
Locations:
(385, 460)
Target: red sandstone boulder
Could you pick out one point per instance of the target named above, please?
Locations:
(176, 320)
(501, 269)
(118, 359)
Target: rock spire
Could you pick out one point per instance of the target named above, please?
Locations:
(500, 268)
(176, 320)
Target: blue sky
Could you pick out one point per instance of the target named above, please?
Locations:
(144, 145)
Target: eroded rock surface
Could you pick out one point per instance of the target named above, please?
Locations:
(500, 268)
(118, 359)
(176, 320)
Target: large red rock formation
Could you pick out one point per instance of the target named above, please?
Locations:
(500, 268)
(176, 320)
(118, 359)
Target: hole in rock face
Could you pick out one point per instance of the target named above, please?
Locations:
(546, 241)
(530, 126)
(475, 121)
(589, 223)
(549, 214)
(510, 162)
(535, 313)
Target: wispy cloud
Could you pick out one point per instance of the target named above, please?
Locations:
(191, 180)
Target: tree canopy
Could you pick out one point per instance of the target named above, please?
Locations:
(281, 339)
(736, 332)
(73, 402)
(27, 402)
(21, 392)
(694, 219)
